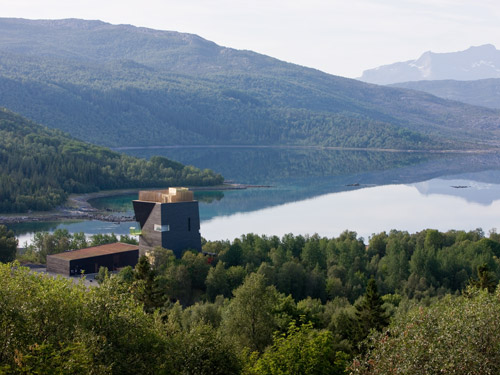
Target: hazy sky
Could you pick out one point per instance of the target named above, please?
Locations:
(342, 37)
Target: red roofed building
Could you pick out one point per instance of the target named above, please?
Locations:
(89, 260)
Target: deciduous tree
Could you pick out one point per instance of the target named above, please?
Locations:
(249, 317)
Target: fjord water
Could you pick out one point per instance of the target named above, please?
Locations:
(325, 191)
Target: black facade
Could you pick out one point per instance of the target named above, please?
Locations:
(111, 261)
(173, 226)
(111, 256)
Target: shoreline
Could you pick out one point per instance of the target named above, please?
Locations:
(77, 206)
(489, 149)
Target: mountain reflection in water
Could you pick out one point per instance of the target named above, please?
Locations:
(328, 191)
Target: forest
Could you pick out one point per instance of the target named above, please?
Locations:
(401, 303)
(177, 110)
(40, 167)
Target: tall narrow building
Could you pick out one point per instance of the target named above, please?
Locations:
(168, 218)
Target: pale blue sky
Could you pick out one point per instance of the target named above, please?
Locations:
(342, 37)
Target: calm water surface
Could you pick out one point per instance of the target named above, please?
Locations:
(326, 192)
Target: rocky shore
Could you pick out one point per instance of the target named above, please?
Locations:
(78, 206)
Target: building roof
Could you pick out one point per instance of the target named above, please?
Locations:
(171, 195)
(89, 252)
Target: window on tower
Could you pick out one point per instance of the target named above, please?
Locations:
(161, 228)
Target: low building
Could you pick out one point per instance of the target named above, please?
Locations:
(89, 260)
(168, 218)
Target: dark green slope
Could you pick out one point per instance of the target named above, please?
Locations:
(39, 167)
(122, 86)
(482, 92)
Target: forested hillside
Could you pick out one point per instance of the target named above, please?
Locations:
(39, 167)
(265, 305)
(124, 86)
(483, 92)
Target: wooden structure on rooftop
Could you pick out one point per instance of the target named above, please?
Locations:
(171, 195)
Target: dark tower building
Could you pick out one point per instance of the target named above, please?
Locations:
(168, 218)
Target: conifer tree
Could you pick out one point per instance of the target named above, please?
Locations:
(145, 286)
(370, 314)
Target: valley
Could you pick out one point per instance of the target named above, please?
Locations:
(334, 225)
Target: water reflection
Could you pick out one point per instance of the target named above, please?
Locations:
(275, 165)
(297, 174)
(326, 191)
(470, 190)
(366, 211)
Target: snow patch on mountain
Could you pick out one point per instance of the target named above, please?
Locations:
(474, 63)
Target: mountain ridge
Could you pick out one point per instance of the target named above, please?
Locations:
(192, 91)
(476, 62)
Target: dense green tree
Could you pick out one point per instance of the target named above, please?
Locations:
(217, 282)
(203, 313)
(203, 351)
(410, 266)
(160, 259)
(455, 335)
(301, 351)
(102, 275)
(249, 316)
(45, 243)
(126, 275)
(316, 284)
(57, 326)
(424, 264)
(176, 284)
(394, 265)
(79, 241)
(125, 238)
(293, 244)
(197, 267)
(312, 254)
(233, 256)
(8, 245)
(291, 279)
(269, 272)
(377, 244)
(244, 305)
(312, 310)
(102, 239)
(235, 276)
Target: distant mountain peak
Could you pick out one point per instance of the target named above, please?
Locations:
(476, 62)
(485, 47)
